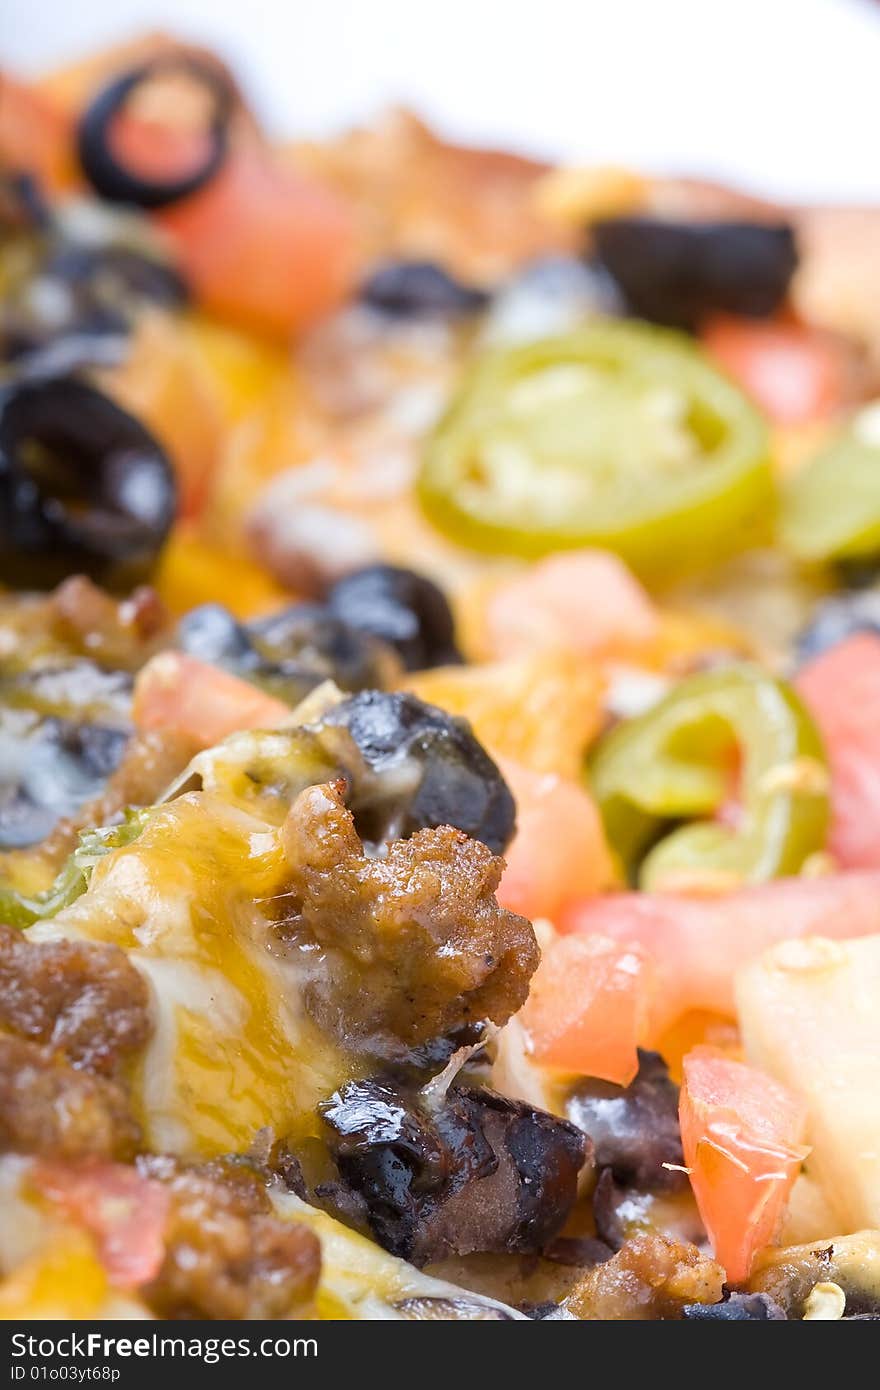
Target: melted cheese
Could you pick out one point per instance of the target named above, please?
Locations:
(48, 1267)
(232, 1050)
(360, 1280)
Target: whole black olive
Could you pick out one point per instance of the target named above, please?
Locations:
(420, 289)
(101, 166)
(425, 769)
(84, 487)
(837, 618)
(405, 609)
(677, 273)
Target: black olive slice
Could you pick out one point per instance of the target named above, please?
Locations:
(103, 169)
(405, 609)
(93, 294)
(480, 1172)
(58, 765)
(677, 273)
(736, 1307)
(837, 618)
(118, 274)
(84, 487)
(634, 1128)
(420, 289)
(289, 652)
(425, 768)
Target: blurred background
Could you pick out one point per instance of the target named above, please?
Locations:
(776, 95)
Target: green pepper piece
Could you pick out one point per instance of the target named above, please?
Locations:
(680, 761)
(16, 910)
(831, 508)
(619, 435)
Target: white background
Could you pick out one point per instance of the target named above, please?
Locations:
(781, 95)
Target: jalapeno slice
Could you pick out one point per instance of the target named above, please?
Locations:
(831, 508)
(732, 750)
(619, 435)
(19, 910)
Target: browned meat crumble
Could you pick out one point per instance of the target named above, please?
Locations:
(47, 1107)
(650, 1277)
(85, 1000)
(71, 1014)
(227, 1255)
(415, 944)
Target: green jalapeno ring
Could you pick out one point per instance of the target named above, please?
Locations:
(563, 443)
(19, 910)
(677, 761)
(831, 507)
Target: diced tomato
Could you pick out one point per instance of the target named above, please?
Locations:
(124, 1212)
(841, 689)
(262, 246)
(175, 691)
(559, 852)
(583, 599)
(698, 943)
(741, 1134)
(586, 1007)
(792, 372)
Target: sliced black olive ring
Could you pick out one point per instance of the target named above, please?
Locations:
(420, 289)
(84, 487)
(103, 169)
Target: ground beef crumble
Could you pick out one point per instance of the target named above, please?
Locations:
(227, 1255)
(83, 999)
(47, 1107)
(650, 1277)
(71, 1014)
(414, 943)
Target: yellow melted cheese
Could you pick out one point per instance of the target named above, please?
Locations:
(233, 1049)
(48, 1267)
(361, 1281)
